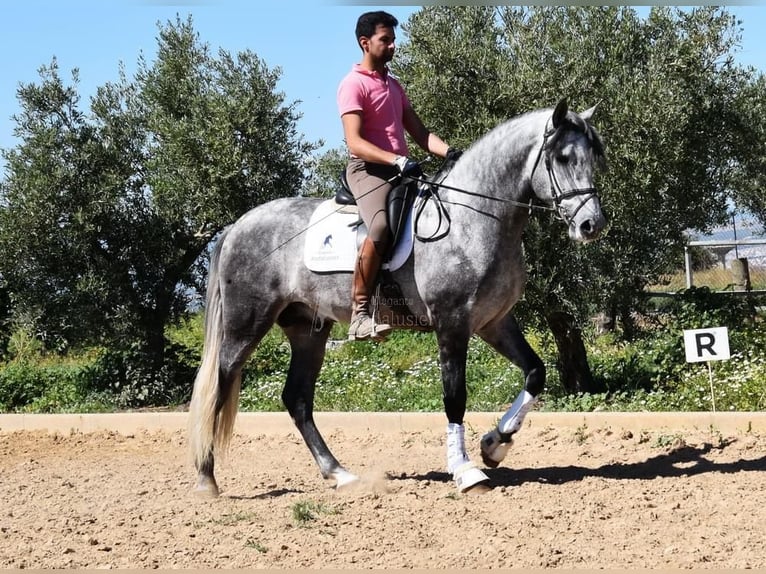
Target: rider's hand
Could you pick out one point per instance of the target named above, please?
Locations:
(408, 166)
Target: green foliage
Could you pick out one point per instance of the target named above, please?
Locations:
(652, 374)
(325, 172)
(683, 126)
(106, 214)
(402, 374)
(22, 384)
(34, 382)
(304, 512)
(134, 378)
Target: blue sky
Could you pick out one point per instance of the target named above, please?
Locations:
(312, 42)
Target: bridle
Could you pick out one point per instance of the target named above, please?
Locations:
(429, 190)
(557, 193)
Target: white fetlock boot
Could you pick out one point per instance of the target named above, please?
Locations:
(344, 478)
(496, 443)
(463, 471)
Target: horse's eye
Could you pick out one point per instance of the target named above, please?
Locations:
(561, 158)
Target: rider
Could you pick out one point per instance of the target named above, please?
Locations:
(375, 113)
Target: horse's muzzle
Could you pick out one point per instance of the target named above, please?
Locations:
(587, 229)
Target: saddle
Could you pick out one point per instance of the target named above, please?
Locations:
(335, 231)
(398, 204)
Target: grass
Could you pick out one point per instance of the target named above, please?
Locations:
(669, 440)
(235, 518)
(304, 512)
(716, 278)
(581, 434)
(256, 545)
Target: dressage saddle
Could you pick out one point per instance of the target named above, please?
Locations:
(398, 203)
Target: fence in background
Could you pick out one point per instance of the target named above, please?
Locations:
(731, 259)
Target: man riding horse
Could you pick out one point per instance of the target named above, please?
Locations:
(375, 113)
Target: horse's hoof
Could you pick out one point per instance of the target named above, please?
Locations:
(468, 477)
(480, 488)
(488, 461)
(344, 479)
(206, 488)
(493, 449)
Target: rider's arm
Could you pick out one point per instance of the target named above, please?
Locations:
(423, 137)
(360, 147)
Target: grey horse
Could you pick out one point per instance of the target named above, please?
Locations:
(464, 282)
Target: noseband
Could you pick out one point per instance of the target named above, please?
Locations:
(557, 193)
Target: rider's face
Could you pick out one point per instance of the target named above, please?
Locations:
(381, 45)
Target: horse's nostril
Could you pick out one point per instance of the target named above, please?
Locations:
(586, 227)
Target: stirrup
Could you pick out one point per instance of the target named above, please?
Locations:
(377, 331)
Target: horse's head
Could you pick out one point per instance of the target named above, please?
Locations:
(571, 152)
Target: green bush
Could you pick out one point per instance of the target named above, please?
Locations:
(402, 374)
(132, 377)
(48, 387)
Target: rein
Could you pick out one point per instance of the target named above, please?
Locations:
(557, 193)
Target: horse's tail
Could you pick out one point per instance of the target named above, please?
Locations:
(210, 431)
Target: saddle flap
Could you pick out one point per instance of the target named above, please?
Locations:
(332, 239)
(399, 203)
(344, 196)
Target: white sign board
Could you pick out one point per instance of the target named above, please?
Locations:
(706, 344)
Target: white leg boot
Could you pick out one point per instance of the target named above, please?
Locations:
(495, 444)
(463, 471)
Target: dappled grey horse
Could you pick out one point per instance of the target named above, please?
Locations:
(463, 281)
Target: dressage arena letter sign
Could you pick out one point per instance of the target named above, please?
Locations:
(706, 344)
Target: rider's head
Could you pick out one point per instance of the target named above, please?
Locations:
(375, 33)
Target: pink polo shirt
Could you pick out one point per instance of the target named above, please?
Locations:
(382, 102)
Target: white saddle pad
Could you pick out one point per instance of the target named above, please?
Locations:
(332, 240)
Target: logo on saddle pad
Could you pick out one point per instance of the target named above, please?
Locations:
(333, 239)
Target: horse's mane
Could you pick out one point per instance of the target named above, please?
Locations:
(443, 170)
(572, 121)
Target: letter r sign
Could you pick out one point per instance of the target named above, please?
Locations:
(706, 344)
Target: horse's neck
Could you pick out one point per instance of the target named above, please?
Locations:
(497, 171)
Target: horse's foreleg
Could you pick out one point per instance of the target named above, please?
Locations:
(506, 337)
(453, 351)
(308, 349)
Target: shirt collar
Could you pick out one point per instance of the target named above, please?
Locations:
(372, 73)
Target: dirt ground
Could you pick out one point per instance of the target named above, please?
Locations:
(563, 499)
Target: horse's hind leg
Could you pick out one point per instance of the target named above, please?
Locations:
(307, 344)
(506, 337)
(216, 398)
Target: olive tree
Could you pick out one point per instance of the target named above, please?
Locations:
(106, 214)
(670, 108)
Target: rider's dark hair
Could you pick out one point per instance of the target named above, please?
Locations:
(369, 21)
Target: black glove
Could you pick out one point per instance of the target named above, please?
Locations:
(453, 154)
(408, 167)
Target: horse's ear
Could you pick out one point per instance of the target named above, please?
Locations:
(588, 114)
(560, 113)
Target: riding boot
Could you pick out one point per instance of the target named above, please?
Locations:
(363, 324)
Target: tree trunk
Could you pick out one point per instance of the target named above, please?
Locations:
(606, 321)
(572, 361)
